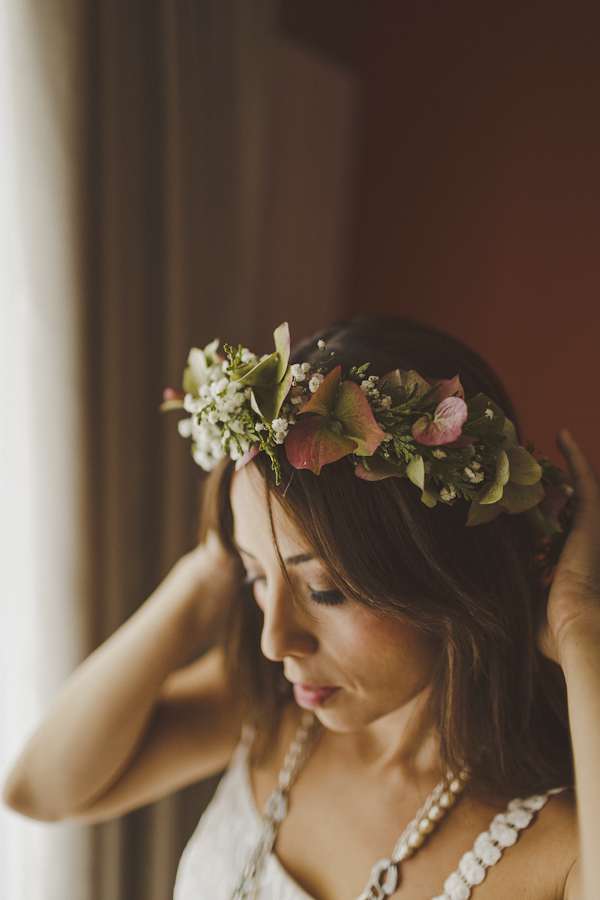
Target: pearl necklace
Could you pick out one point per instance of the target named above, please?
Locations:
(276, 807)
(385, 874)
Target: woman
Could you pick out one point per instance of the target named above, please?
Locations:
(399, 666)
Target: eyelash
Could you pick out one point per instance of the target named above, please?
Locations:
(321, 598)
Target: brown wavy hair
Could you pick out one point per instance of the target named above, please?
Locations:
(499, 704)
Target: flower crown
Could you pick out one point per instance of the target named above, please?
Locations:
(399, 425)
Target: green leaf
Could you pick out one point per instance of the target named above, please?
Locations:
(268, 402)
(323, 400)
(411, 382)
(492, 493)
(510, 435)
(523, 467)
(377, 468)
(281, 336)
(479, 515)
(477, 407)
(415, 470)
(519, 497)
(199, 362)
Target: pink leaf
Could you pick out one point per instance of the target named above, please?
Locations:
(445, 426)
(240, 463)
(447, 388)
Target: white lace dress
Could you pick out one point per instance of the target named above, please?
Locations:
(230, 828)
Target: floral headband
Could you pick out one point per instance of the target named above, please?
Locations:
(399, 425)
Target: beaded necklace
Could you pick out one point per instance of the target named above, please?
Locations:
(385, 873)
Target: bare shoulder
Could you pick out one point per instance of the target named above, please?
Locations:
(547, 852)
(191, 735)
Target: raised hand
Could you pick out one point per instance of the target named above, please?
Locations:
(574, 600)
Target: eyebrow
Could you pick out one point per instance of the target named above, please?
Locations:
(289, 560)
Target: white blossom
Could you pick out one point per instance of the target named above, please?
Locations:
(300, 371)
(439, 454)
(489, 413)
(474, 477)
(446, 494)
(321, 345)
(315, 382)
(280, 427)
(184, 426)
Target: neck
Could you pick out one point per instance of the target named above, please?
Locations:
(404, 741)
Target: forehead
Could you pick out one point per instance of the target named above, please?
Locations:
(252, 525)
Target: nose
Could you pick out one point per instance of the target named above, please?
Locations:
(286, 629)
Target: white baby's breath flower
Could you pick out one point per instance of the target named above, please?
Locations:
(474, 477)
(489, 413)
(321, 345)
(184, 427)
(385, 402)
(447, 495)
(315, 382)
(439, 454)
(300, 371)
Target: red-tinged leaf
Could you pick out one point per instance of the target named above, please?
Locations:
(445, 426)
(323, 399)
(479, 515)
(523, 467)
(447, 388)
(516, 498)
(352, 409)
(314, 443)
(379, 468)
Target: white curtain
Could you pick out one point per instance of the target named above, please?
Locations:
(42, 553)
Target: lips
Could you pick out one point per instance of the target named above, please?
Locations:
(310, 696)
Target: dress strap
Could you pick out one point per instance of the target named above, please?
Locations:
(490, 845)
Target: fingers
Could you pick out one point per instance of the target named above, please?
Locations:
(580, 467)
(583, 474)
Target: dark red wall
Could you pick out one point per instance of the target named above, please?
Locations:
(479, 196)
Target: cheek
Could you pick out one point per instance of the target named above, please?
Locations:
(386, 645)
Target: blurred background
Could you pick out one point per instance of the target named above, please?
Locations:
(176, 170)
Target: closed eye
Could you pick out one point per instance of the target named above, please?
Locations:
(328, 598)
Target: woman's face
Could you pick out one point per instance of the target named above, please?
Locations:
(351, 666)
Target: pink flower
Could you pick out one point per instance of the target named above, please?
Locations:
(445, 426)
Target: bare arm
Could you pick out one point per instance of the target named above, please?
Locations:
(127, 726)
(572, 638)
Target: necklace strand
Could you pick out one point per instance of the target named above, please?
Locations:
(276, 806)
(385, 874)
